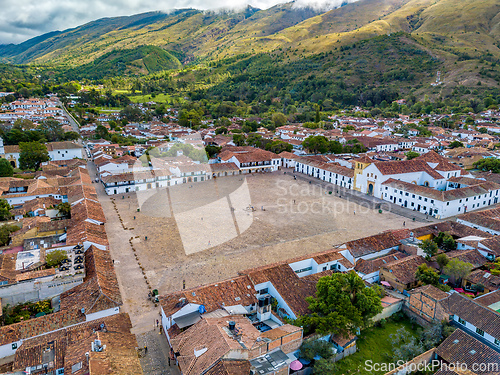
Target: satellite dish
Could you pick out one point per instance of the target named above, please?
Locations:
(102, 325)
(411, 234)
(83, 310)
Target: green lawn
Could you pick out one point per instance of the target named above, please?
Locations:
(159, 98)
(107, 109)
(373, 344)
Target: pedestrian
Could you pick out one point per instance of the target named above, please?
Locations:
(145, 349)
(168, 361)
(354, 212)
(404, 223)
(157, 323)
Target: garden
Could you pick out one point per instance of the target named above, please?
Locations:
(25, 311)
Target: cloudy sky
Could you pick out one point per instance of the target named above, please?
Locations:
(24, 19)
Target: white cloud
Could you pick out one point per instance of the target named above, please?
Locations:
(21, 21)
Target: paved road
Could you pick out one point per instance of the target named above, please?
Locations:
(71, 119)
(133, 287)
(155, 360)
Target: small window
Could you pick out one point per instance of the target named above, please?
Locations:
(479, 331)
(461, 321)
(263, 291)
(497, 342)
(76, 367)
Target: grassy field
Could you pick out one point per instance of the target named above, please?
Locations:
(159, 98)
(107, 109)
(374, 344)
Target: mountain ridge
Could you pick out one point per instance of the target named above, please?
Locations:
(463, 35)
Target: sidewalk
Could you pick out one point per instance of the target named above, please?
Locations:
(155, 361)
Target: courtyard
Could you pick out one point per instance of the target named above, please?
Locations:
(208, 231)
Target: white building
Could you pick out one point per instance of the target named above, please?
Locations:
(329, 172)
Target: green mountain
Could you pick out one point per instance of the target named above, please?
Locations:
(460, 37)
(141, 60)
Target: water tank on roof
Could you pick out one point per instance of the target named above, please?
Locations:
(232, 325)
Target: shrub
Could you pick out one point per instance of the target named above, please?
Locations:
(55, 258)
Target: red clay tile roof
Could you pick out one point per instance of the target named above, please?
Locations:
(329, 167)
(39, 326)
(431, 291)
(488, 298)
(222, 167)
(236, 291)
(373, 265)
(484, 278)
(293, 289)
(482, 188)
(488, 218)
(230, 367)
(247, 154)
(404, 269)
(71, 344)
(99, 290)
(85, 231)
(406, 166)
(87, 209)
(460, 347)
(372, 244)
(201, 335)
(469, 256)
(454, 228)
(474, 313)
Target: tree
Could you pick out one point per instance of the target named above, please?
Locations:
(52, 130)
(212, 151)
(456, 144)
(278, 147)
(132, 114)
(278, 119)
(55, 258)
(312, 348)
(457, 269)
(427, 275)
(5, 231)
(6, 169)
(316, 144)
(239, 139)
(405, 345)
(429, 247)
(5, 210)
(432, 335)
(64, 210)
(445, 241)
(24, 124)
(32, 155)
(101, 132)
(221, 130)
(324, 367)
(442, 260)
(488, 164)
(412, 155)
(342, 305)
